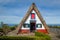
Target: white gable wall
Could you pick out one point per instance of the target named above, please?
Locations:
(28, 20)
(37, 21)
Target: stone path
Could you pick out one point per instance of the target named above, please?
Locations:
(13, 33)
(53, 36)
(54, 33)
(28, 34)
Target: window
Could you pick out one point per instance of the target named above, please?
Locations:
(26, 25)
(32, 16)
(39, 25)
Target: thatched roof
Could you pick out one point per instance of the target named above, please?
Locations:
(33, 7)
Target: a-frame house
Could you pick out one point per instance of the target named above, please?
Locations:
(32, 21)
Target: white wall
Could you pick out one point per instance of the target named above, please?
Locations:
(37, 21)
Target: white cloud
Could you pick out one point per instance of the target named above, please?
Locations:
(52, 20)
(16, 19)
(10, 19)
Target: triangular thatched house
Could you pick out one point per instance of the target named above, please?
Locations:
(32, 21)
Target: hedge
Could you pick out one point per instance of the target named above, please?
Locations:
(38, 36)
(16, 38)
(22, 38)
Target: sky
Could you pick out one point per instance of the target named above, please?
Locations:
(12, 11)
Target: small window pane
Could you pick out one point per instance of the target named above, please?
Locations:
(39, 25)
(26, 25)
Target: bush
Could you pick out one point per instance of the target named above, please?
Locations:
(12, 28)
(42, 36)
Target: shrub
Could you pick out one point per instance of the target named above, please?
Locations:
(12, 28)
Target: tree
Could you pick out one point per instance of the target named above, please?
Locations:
(5, 28)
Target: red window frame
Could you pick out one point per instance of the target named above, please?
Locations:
(32, 16)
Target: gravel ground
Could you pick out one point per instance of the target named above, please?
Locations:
(55, 33)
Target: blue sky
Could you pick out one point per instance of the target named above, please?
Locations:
(12, 11)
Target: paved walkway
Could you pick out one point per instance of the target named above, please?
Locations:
(13, 33)
(53, 36)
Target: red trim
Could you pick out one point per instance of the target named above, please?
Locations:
(38, 30)
(42, 30)
(24, 31)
